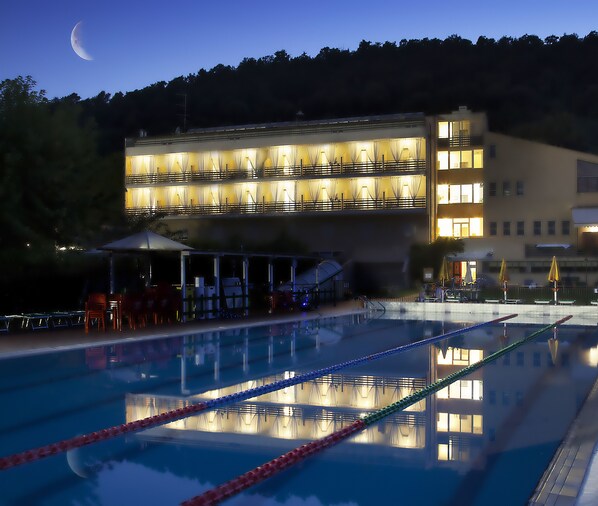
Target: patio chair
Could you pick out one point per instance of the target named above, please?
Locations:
(167, 304)
(133, 310)
(95, 309)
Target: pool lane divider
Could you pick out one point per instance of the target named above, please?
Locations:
(177, 414)
(269, 469)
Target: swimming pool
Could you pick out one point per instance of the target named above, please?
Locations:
(486, 439)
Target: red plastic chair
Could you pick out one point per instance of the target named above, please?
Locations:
(95, 309)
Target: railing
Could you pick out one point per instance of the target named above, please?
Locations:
(581, 295)
(296, 171)
(384, 204)
(461, 141)
(235, 305)
(372, 305)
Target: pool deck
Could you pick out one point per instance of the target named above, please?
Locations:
(570, 479)
(32, 342)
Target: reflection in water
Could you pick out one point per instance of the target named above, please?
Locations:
(503, 420)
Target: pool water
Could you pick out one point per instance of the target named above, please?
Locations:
(485, 440)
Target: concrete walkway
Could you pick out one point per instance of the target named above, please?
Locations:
(32, 342)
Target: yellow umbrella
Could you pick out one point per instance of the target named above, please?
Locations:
(553, 345)
(554, 276)
(503, 277)
(443, 275)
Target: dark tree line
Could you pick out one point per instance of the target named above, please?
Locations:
(544, 90)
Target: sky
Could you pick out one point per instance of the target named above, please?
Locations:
(135, 44)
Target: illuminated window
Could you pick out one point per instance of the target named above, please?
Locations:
(455, 160)
(455, 422)
(455, 194)
(453, 451)
(445, 227)
(463, 389)
(466, 160)
(459, 356)
(443, 160)
(478, 193)
(460, 227)
(443, 194)
(460, 194)
(467, 194)
(442, 422)
(478, 158)
(443, 129)
(476, 227)
(459, 128)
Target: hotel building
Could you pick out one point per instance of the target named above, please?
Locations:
(364, 189)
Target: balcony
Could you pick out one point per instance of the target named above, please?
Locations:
(296, 172)
(270, 208)
(461, 141)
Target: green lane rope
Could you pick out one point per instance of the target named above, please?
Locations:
(269, 469)
(440, 384)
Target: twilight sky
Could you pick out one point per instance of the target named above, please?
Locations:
(137, 43)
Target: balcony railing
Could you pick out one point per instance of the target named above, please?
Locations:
(461, 141)
(296, 171)
(387, 204)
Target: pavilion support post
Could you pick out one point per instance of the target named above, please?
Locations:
(217, 283)
(270, 274)
(184, 301)
(294, 275)
(246, 284)
(112, 273)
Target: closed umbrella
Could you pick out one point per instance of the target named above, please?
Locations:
(468, 277)
(554, 276)
(443, 275)
(503, 277)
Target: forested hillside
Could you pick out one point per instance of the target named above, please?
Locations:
(539, 89)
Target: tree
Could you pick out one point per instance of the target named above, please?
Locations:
(53, 185)
(431, 255)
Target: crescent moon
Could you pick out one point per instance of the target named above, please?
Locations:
(77, 43)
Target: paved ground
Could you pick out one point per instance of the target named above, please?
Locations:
(19, 343)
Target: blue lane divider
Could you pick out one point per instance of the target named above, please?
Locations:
(278, 385)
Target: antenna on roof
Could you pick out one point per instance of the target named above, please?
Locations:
(184, 106)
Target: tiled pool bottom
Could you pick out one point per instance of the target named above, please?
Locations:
(456, 449)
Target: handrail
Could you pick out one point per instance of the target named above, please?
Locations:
(301, 171)
(300, 206)
(371, 304)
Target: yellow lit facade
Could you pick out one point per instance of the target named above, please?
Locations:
(367, 188)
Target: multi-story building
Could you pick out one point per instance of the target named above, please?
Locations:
(365, 189)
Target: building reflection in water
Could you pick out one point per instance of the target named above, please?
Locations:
(459, 424)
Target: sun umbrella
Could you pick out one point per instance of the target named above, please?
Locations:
(443, 275)
(141, 242)
(503, 277)
(554, 276)
(468, 277)
(553, 345)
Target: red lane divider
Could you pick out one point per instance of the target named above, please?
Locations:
(76, 442)
(265, 471)
(261, 473)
